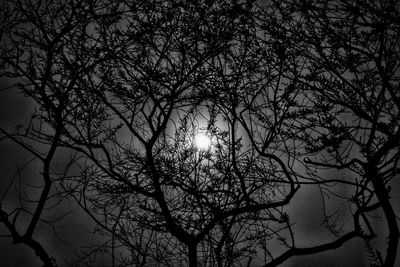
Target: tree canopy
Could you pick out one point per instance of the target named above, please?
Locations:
(289, 95)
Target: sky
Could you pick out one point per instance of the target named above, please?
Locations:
(15, 109)
(305, 208)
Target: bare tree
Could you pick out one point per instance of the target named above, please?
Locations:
(29, 42)
(166, 79)
(348, 66)
(131, 88)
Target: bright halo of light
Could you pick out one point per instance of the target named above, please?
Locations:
(202, 141)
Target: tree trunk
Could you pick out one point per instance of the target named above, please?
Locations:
(383, 196)
(192, 253)
(39, 250)
(393, 242)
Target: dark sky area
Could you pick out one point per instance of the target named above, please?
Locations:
(129, 89)
(74, 229)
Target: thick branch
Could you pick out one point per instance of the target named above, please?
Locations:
(312, 250)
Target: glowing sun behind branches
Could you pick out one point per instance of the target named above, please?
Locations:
(202, 141)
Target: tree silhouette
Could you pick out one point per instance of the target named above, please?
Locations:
(126, 87)
(349, 73)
